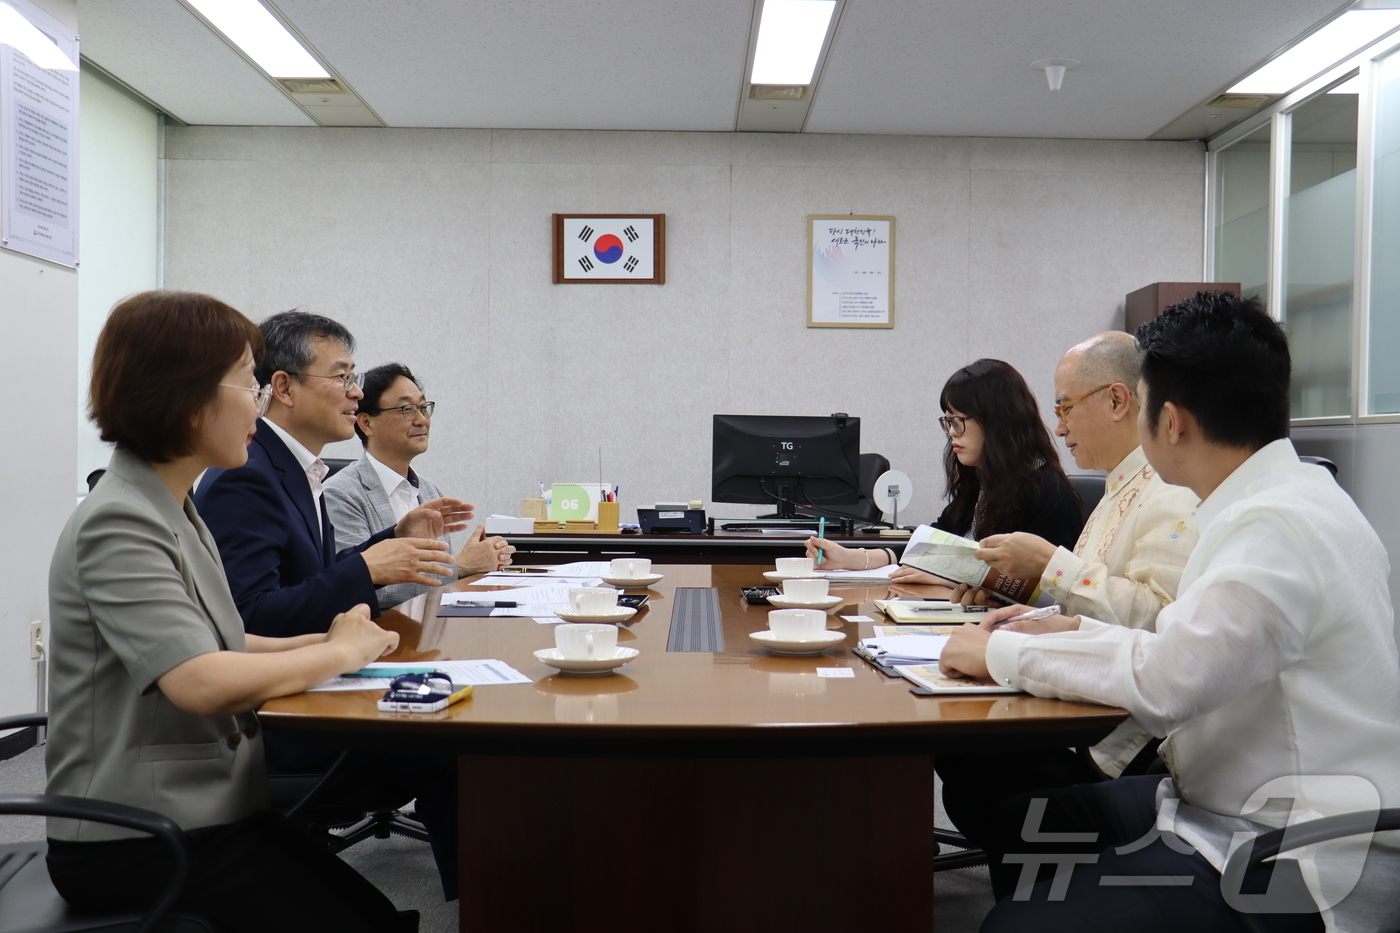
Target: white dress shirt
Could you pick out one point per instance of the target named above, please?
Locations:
(402, 491)
(1277, 661)
(316, 471)
(1125, 567)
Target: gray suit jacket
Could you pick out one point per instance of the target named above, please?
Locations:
(358, 506)
(136, 588)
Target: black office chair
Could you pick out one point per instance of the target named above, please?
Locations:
(1322, 462)
(28, 900)
(307, 800)
(1090, 488)
(336, 464)
(1247, 861)
(870, 467)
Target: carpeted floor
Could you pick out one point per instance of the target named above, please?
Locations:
(403, 868)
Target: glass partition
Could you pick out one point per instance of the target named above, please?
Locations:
(1319, 253)
(1385, 244)
(1241, 186)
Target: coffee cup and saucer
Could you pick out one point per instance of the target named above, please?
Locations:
(631, 571)
(595, 604)
(797, 632)
(791, 568)
(806, 593)
(586, 650)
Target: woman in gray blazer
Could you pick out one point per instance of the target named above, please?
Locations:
(154, 682)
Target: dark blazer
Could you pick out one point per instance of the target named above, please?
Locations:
(284, 580)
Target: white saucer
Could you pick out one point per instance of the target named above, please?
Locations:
(589, 667)
(789, 602)
(620, 614)
(625, 582)
(797, 648)
(772, 576)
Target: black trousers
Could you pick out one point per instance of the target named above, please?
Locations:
(974, 786)
(378, 781)
(259, 875)
(1096, 892)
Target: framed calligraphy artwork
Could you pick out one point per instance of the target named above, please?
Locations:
(850, 270)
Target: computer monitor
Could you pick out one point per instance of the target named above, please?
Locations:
(794, 462)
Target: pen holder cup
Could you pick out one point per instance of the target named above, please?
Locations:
(608, 513)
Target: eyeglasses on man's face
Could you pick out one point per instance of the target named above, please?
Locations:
(1062, 411)
(347, 380)
(953, 425)
(262, 395)
(408, 411)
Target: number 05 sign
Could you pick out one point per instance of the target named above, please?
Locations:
(610, 249)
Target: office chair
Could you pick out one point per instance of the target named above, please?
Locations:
(336, 464)
(870, 467)
(302, 799)
(1247, 861)
(1322, 462)
(28, 900)
(1090, 487)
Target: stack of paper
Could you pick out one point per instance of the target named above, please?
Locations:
(480, 673)
(529, 600)
(535, 579)
(903, 649)
(876, 575)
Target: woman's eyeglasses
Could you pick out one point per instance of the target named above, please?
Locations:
(262, 395)
(953, 425)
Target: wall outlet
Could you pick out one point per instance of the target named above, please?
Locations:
(36, 639)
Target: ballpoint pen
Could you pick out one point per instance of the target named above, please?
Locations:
(821, 533)
(498, 604)
(1031, 616)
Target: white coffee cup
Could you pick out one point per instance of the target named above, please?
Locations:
(629, 568)
(584, 641)
(592, 600)
(808, 591)
(794, 566)
(797, 624)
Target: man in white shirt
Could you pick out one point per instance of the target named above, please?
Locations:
(1274, 676)
(393, 423)
(1123, 570)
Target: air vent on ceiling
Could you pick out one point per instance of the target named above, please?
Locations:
(1241, 101)
(312, 86)
(778, 92)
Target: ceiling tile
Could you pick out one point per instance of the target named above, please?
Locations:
(160, 49)
(594, 64)
(962, 67)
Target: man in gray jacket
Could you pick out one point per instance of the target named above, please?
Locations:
(393, 423)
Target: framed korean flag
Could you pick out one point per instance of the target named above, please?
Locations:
(610, 249)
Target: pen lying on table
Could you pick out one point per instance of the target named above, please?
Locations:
(487, 604)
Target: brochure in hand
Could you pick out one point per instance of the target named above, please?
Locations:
(950, 557)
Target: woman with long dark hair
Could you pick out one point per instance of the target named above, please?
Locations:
(1003, 473)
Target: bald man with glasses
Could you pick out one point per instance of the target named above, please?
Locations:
(1125, 567)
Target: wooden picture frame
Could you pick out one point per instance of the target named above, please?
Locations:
(845, 286)
(609, 249)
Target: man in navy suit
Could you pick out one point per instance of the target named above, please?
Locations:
(287, 578)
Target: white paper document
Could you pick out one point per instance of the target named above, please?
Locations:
(480, 673)
(905, 649)
(876, 574)
(521, 580)
(580, 568)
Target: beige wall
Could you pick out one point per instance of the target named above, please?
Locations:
(433, 246)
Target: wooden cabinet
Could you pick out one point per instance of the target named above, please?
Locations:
(1149, 301)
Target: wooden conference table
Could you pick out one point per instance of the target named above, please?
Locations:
(691, 791)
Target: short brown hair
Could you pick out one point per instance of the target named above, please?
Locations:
(159, 360)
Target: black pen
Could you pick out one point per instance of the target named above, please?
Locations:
(499, 604)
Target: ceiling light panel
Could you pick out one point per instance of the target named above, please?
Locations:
(248, 25)
(1334, 42)
(790, 38)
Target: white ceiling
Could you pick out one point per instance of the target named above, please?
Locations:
(950, 67)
